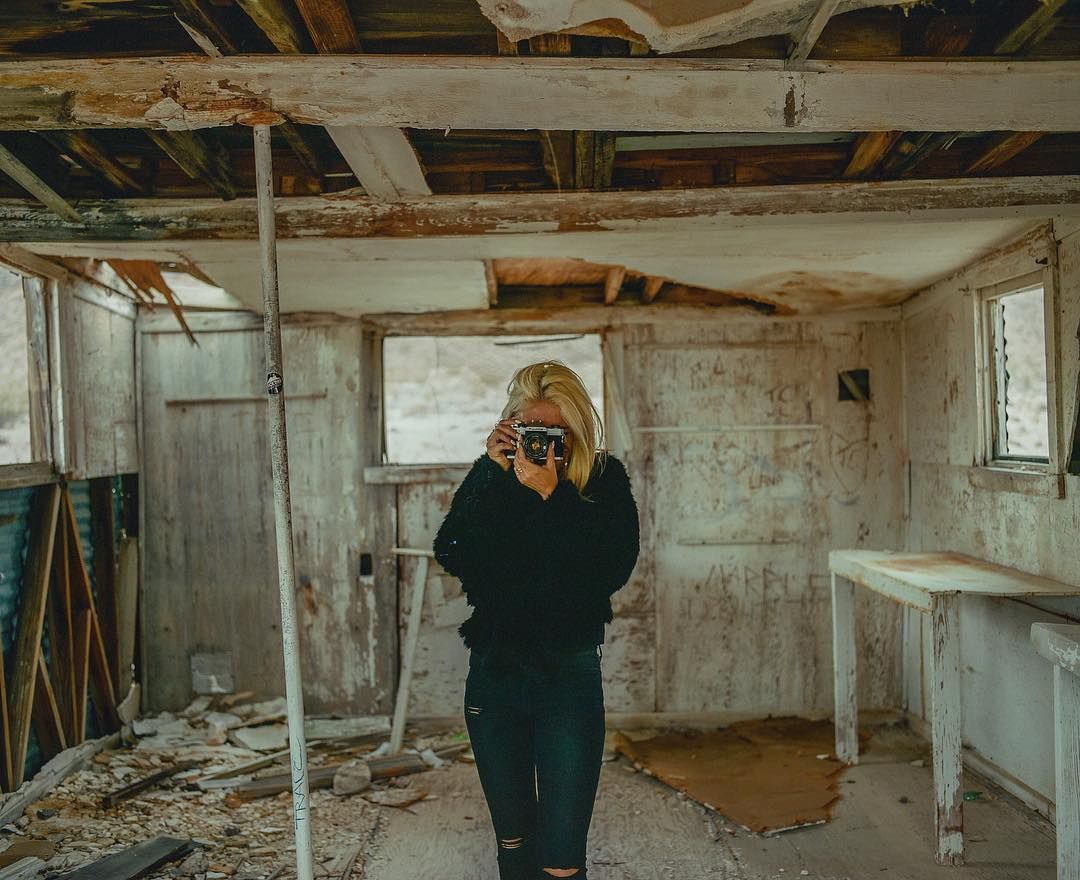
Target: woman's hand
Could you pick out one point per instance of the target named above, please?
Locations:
(541, 478)
(501, 439)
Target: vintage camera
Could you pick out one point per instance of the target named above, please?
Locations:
(534, 440)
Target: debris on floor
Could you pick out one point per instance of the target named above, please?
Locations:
(767, 775)
(206, 793)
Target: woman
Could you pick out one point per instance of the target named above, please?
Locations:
(540, 548)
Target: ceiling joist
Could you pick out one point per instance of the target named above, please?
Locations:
(529, 213)
(609, 94)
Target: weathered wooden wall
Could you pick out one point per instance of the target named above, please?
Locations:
(210, 572)
(728, 608)
(94, 404)
(1007, 688)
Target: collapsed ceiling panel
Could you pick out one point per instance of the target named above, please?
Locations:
(808, 266)
(665, 25)
(312, 276)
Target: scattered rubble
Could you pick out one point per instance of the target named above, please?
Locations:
(211, 785)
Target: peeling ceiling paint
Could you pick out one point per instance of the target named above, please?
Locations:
(665, 25)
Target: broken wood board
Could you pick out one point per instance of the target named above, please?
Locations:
(136, 861)
(764, 774)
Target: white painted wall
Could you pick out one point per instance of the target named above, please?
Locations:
(1007, 688)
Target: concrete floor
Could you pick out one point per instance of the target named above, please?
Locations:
(643, 830)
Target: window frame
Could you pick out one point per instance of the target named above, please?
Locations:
(391, 472)
(989, 379)
(38, 295)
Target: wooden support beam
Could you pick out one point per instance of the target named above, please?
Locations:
(594, 159)
(48, 723)
(913, 147)
(1026, 34)
(278, 20)
(1002, 148)
(551, 44)
(44, 516)
(651, 289)
(84, 148)
(500, 214)
(803, 42)
(870, 148)
(202, 26)
(557, 149)
(383, 160)
(199, 158)
(13, 167)
(613, 284)
(589, 94)
(85, 615)
(381, 157)
(330, 25)
(62, 636)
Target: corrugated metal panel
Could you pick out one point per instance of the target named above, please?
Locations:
(14, 513)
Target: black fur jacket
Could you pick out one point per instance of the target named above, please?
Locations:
(539, 574)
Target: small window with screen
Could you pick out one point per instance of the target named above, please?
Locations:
(1016, 362)
(442, 394)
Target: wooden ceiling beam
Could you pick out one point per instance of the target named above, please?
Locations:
(381, 157)
(1001, 149)
(279, 21)
(1025, 35)
(651, 288)
(341, 216)
(870, 148)
(199, 158)
(1031, 30)
(802, 43)
(613, 284)
(330, 25)
(17, 170)
(85, 149)
(607, 94)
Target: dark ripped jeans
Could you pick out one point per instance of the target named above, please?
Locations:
(538, 739)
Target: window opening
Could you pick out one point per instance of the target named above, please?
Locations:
(15, 445)
(442, 394)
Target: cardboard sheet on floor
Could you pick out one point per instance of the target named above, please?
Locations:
(764, 774)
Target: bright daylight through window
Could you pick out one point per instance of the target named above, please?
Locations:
(443, 394)
(1019, 408)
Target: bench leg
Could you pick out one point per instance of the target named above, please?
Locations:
(1067, 754)
(945, 726)
(845, 710)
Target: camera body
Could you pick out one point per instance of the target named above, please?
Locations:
(534, 440)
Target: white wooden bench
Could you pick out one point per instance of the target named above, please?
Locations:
(932, 583)
(1060, 644)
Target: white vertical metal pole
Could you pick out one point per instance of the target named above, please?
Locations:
(279, 458)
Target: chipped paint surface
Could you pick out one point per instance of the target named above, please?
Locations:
(666, 25)
(205, 470)
(1008, 704)
(608, 94)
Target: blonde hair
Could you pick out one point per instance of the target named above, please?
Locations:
(556, 383)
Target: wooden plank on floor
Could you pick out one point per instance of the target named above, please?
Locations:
(136, 861)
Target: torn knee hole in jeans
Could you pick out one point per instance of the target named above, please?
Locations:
(572, 872)
(475, 710)
(511, 842)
